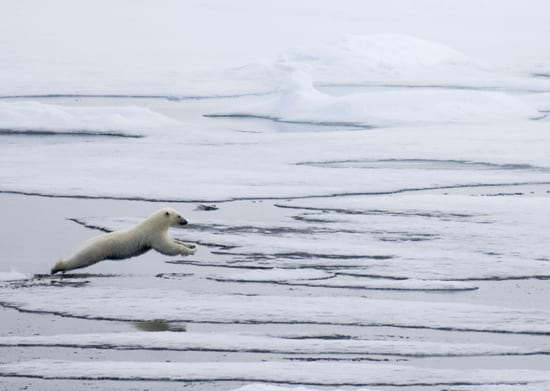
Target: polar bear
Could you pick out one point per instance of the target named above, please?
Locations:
(151, 233)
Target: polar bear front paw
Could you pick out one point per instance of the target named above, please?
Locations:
(188, 251)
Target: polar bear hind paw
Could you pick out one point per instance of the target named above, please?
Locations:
(58, 268)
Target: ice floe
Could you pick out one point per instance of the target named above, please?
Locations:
(158, 167)
(299, 102)
(147, 168)
(175, 305)
(390, 116)
(231, 342)
(41, 118)
(420, 239)
(292, 277)
(332, 374)
(385, 60)
(270, 387)
(278, 275)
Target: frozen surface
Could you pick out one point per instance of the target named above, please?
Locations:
(380, 178)
(523, 387)
(25, 117)
(231, 342)
(298, 101)
(386, 60)
(435, 103)
(219, 164)
(270, 372)
(12, 276)
(175, 305)
(419, 239)
(269, 387)
(288, 277)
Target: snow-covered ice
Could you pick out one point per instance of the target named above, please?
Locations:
(231, 342)
(298, 101)
(419, 238)
(270, 372)
(219, 164)
(382, 179)
(385, 60)
(13, 276)
(149, 304)
(35, 117)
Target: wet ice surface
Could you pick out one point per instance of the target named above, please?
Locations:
(380, 206)
(241, 308)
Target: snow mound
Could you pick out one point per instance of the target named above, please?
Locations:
(24, 116)
(382, 59)
(298, 101)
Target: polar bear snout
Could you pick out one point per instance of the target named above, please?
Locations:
(181, 220)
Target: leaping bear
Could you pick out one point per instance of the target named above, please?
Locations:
(151, 233)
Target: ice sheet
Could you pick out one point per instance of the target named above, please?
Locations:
(538, 386)
(231, 342)
(225, 159)
(418, 237)
(176, 305)
(25, 117)
(460, 109)
(288, 277)
(269, 387)
(298, 101)
(269, 372)
(187, 164)
(386, 60)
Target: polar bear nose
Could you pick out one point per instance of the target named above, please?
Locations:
(183, 221)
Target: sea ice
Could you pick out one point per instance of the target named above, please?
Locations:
(33, 116)
(298, 101)
(182, 306)
(422, 239)
(311, 373)
(231, 342)
(292, 277)
(389, 116)
(385, 60)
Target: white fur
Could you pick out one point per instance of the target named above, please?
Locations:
(151, 233)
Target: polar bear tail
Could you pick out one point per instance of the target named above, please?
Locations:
(59, 267)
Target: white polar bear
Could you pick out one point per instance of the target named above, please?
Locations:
(151, 233)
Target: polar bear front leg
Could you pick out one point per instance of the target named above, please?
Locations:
(171, 247)
(188, 245)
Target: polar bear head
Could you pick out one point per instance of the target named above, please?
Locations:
(162, 219)
(173, 217)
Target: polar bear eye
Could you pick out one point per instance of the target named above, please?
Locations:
(167, 213)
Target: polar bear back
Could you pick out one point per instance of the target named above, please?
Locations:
(113, 246)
